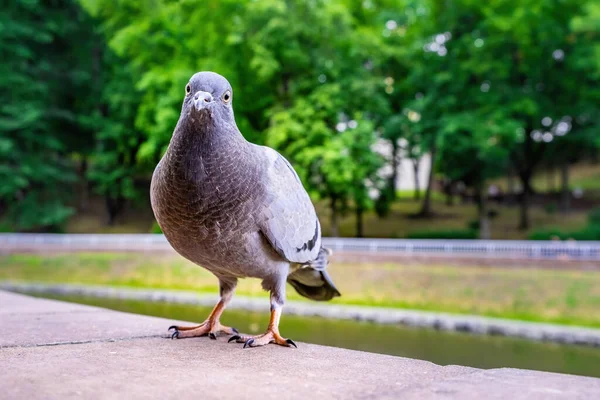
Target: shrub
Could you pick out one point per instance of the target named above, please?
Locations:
(155, 228)
(589, 233)
(550, 208)
(546, 234)
(473, 225)
(445, 234)
(383, 204)
(492, 213)
(594, 217)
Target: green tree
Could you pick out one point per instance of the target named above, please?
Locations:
(522, 60)
(546, 77)
(474, 147)
(117, 141)
(274, 66)
(45, 85)
(429, 76)
(335, 161)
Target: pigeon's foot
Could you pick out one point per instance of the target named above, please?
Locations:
(270, 336)
(210, 328)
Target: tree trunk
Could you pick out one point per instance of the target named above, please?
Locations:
(285, 89)
(511, 183)
(415, 164)
(524, 203)
(525, 161)
(449, 189)
(359, 222)
(551, 181)
(484, 221)
(114, 207)
(565, 194)
(334, 217)
(394, 178)
(84, 195)
(426, 206)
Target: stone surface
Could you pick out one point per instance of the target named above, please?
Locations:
(55, 350)
(28, 321)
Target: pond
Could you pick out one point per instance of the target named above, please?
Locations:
(444, 348)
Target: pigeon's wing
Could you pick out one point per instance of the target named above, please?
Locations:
(288, 218)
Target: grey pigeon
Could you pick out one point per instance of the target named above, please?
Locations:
(237, 209)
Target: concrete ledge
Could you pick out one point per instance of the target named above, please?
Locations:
(51, 349)
(426, 319)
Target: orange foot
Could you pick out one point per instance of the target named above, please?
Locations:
(208, 327)
(268, 337)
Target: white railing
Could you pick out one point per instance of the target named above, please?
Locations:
(518, 249)
(524, 249)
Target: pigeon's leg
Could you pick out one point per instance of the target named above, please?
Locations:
(212, 325)
(272, 334)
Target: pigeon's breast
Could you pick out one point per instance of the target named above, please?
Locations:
(206, 207)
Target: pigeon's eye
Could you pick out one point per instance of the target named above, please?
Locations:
(227, 96)
(188, 89)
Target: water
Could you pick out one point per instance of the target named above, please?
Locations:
(444, 348)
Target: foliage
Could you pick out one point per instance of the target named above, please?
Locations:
(156, 228)
(483, 87)
(114, 164)
(45, 82)
(547, 234)
(337, 164)
(590, 232)
(594, 217)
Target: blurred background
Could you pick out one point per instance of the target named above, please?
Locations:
(416, 119)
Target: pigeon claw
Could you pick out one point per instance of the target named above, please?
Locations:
(175, 334)
(262, 340)
(235, 331)
(172, 327)
(212, 335)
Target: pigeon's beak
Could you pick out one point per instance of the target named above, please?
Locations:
(202, 100)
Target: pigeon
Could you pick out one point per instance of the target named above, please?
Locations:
(238, 210)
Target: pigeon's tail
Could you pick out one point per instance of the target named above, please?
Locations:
(312, 281)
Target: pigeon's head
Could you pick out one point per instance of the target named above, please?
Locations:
(208, 97)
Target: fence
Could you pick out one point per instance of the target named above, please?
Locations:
(572, 250)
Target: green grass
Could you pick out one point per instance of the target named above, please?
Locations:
(399, 223)
(584, 176)
(545, 295)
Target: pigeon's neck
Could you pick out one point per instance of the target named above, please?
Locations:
(193, 141)
(205, 135)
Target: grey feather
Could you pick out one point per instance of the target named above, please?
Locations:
(312, 280)
(230, 206)
(289, 220)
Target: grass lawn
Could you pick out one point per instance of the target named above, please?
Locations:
(399, 222)
(559, 296)
(584, 176)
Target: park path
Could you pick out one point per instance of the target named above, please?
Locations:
(51, 349)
